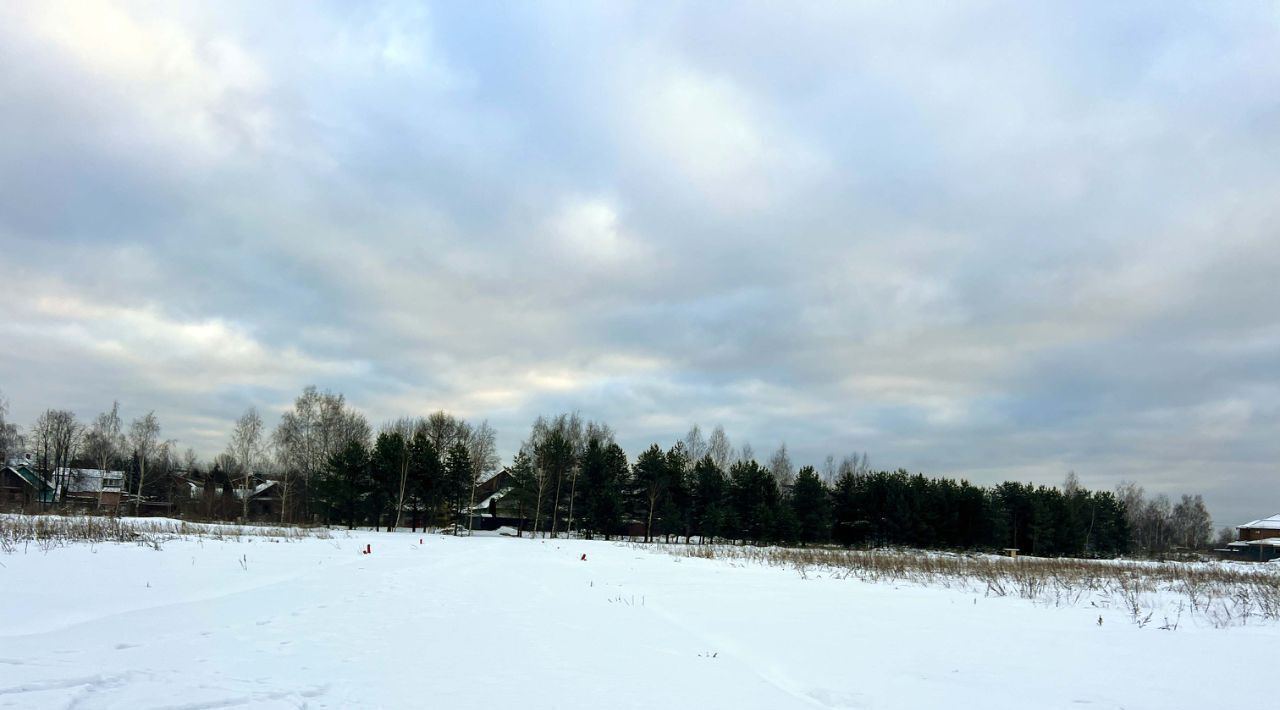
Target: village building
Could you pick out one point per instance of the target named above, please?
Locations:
(1257, 541)
(92, 488)
(21, 487)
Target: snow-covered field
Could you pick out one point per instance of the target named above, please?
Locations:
(494, 622)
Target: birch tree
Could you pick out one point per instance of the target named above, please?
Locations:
(144, 437)
(9, 438)
(246, 448)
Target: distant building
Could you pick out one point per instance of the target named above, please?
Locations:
(21, 487)
(92, 487)
(1257, 541)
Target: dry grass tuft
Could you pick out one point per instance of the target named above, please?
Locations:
(1222, 594)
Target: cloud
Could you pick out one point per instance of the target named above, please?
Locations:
(993, 240)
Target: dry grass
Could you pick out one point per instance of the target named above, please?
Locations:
(45, 532)
(1221, 594)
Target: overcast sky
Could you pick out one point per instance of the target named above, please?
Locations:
(986, 240)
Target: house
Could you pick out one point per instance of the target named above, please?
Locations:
(265, 499)
(21, 486)
(1257, 541)
(91, 487)
(495, 507)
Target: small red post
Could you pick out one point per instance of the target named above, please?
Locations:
(368, 549)
(419, 541)
(584, 557)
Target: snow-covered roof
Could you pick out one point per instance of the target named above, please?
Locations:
(1272, 523)
(91, 480)
(484, 504)
(257, 490)
(1265, 542)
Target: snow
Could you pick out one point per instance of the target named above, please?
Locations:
(1271, 523)
(1264, 542)
(502, 622)
(257, 490)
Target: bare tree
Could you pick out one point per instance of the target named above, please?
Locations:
(10, 440)
(104, 441)
(781, 467)
(483, 451)
(406, 428)
(720, 449)
(319, 426)
(57, 437)
(1071, 485)
(1190, 523)
(854, 464)
(144, 437)
(246, 447)
(695, 445)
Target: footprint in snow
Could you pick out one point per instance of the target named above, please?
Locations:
(126, 646)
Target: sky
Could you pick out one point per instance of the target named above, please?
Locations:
(985, 240)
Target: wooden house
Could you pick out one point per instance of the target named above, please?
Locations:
(21, 487)
(92, 488)
(1257, 541)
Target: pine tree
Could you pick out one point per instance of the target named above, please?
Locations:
(389, 454)
(426, 474)
(604, 473)
(754, 493)
(459, 477)
(345, 482)
(651, 478)
(708, 499)
(524, 488)
(811, 506)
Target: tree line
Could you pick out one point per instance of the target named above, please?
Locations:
(570, 475)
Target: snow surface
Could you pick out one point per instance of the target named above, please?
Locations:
(498, 622)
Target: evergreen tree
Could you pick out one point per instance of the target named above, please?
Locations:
(426, 477)
(811, 507)
(754, 494)
(389, 451)
(651, 479)
(524, 488)
(459, 478)
(603, 477)
(708, 499)
(345, 482)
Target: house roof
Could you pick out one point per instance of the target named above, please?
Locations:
(484, 504)
(1265, 542)
(90, 480)
(1272, 523)
(44, 489)
(257, 490)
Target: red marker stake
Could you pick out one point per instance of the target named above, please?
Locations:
(584, 557)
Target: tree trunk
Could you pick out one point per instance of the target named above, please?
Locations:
(555, 509)
(648, 528)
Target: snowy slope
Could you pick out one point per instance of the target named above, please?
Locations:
(514, 623)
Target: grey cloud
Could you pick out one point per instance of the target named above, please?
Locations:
(997, 241)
